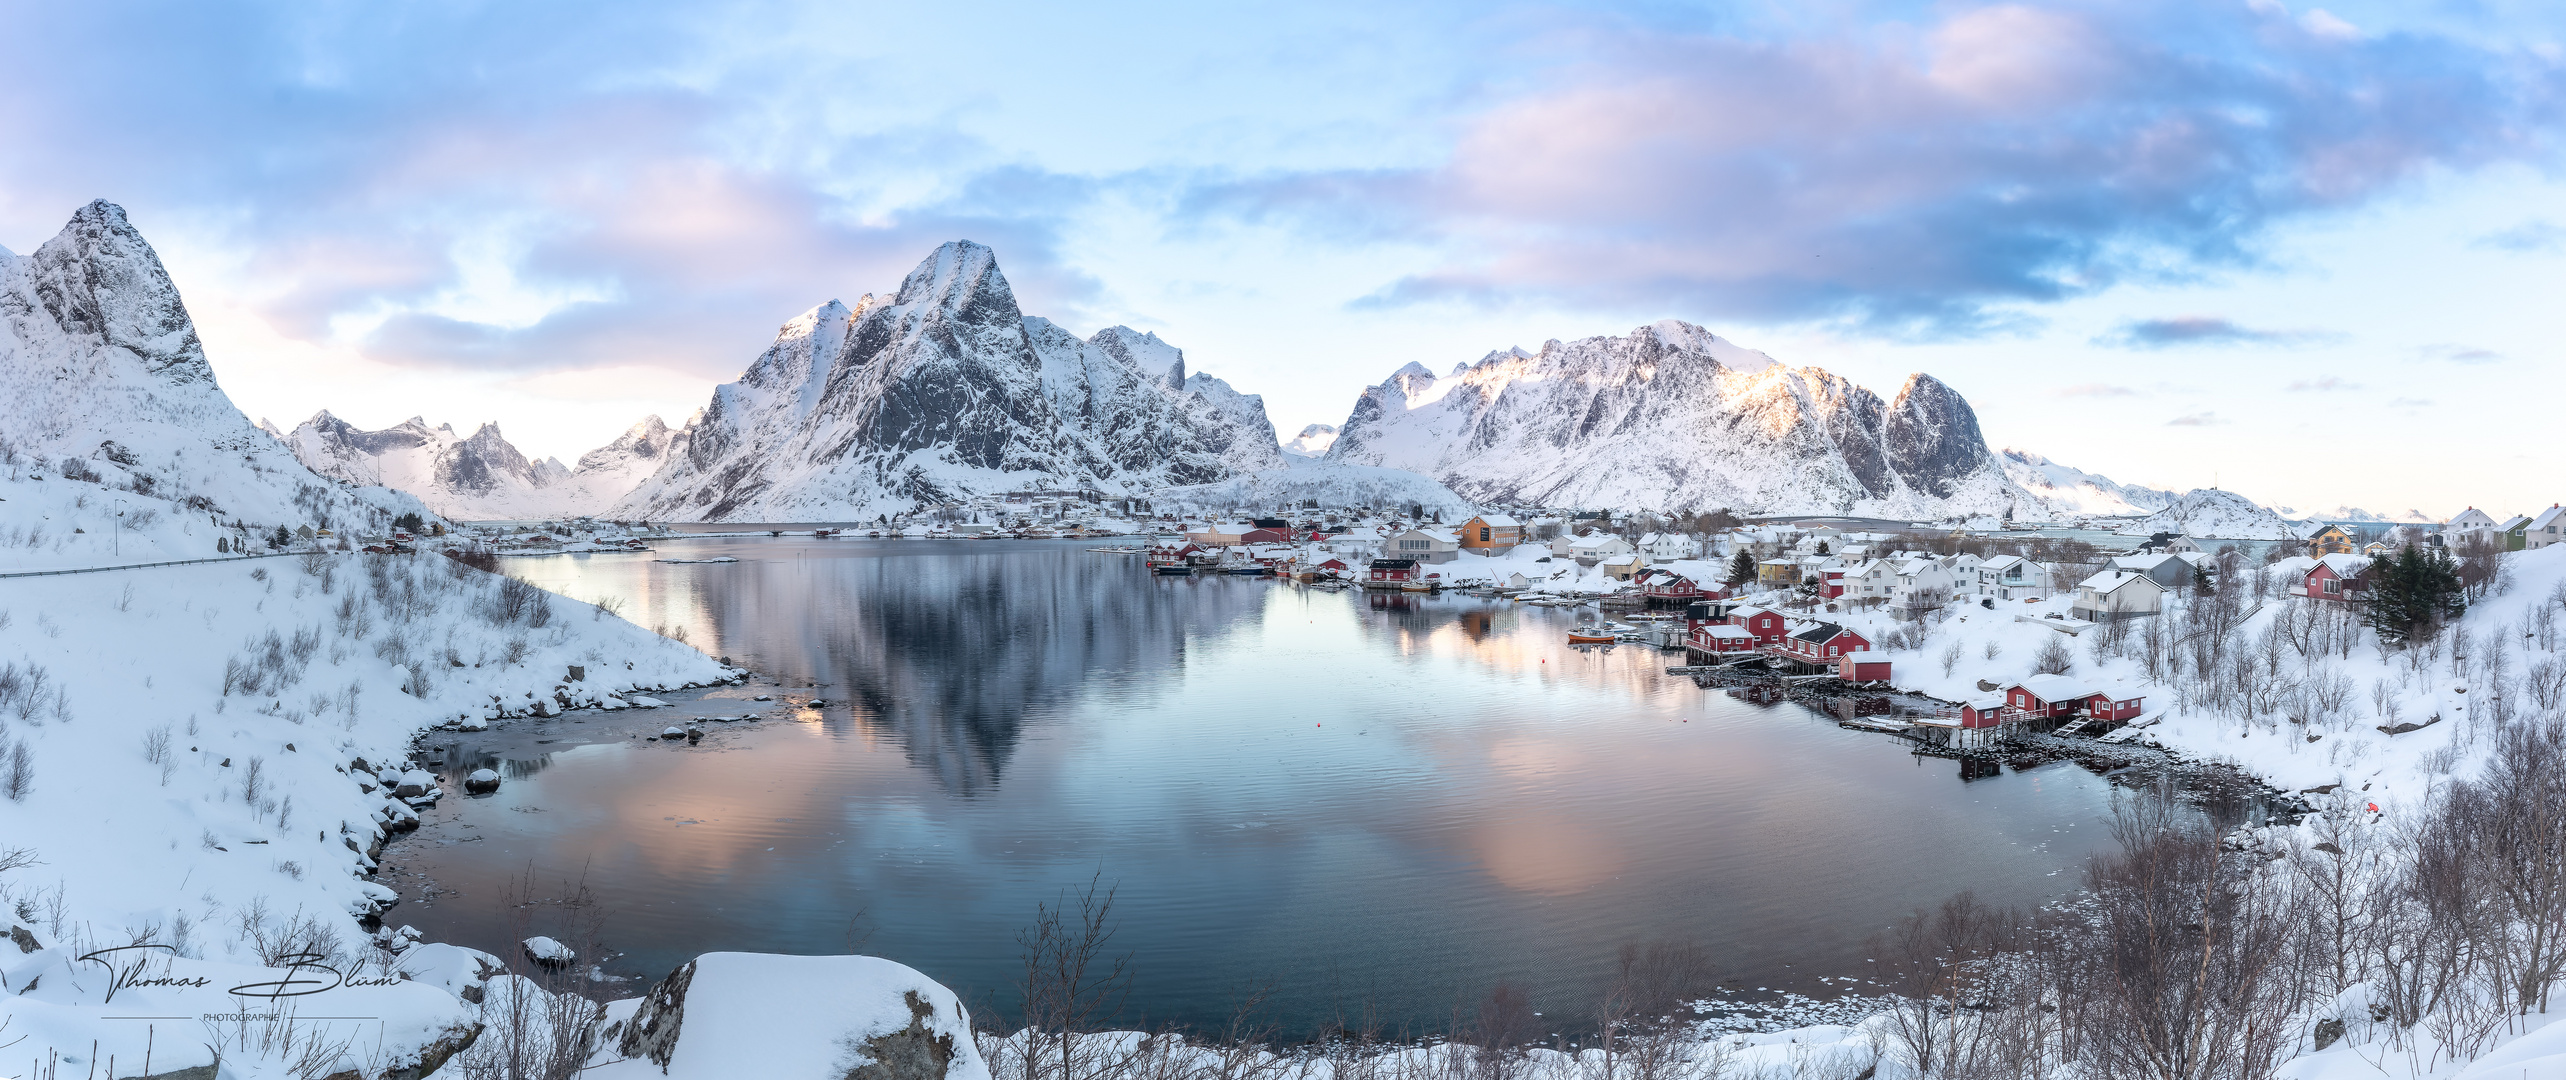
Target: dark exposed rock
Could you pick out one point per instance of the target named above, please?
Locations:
(909, 1053)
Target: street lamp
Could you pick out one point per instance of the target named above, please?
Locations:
(116, 532)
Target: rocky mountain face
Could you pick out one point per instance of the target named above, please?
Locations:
(104, 381)
(1673, 416)
(2074, 492)
(945, 390)
(483, 476)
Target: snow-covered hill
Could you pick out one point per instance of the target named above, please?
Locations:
(1673, 416)
(2207, 513)
(116, 444)
(2071, 491)
(1313, 441)
(481, 477)
(1332, 483)
(942, 391)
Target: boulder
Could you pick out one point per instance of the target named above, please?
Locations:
(413, 784)
(673, 733)
(760, 1014)
(547, 952)
(481, 782)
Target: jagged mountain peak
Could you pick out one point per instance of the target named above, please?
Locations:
(1670, 415)
(960, 276)
(949, 390)
(99, 279)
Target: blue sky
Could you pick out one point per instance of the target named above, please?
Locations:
(2310, 252)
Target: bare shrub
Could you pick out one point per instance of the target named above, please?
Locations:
(2054, 658)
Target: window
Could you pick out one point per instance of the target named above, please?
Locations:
(1833, 650)
(2333, 586)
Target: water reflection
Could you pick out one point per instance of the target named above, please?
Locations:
(1378, 796)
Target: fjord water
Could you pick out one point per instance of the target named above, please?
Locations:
(1349, 797)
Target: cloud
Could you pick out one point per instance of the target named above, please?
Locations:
(2201, 330)
(2198, 419)
(2530, 236)
(2096, 390)
(2458, 354)
(2323, 383)
(1927, 180)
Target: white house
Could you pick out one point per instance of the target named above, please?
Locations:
(2117, 594)
(2548, 528)
(1423, 545)
(1919, 577)
(2012, 577)
(1594, 547)
(2470, 521)
(1669, 546)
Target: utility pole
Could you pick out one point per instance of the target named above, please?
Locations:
(116, 531)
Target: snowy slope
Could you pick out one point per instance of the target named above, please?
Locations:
(2208, 513)
(106, 398)
(942, 391)
(1332, 483)
(1313, 441)
(482, 477)
(2070, 491)
(1672, 416)
(2351, 514)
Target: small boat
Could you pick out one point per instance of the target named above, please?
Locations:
(1575, 638)
(1415, 586)
(1246, 570)
(1174, 568)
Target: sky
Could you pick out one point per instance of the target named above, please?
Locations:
(2309, 254)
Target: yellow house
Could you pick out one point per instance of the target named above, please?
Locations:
(2330, 540)
(1492, 531)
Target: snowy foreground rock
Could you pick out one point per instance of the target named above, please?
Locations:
(728, 1014)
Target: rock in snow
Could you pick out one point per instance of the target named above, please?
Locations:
(546, 951)
(725, 1014)
(1674, 416)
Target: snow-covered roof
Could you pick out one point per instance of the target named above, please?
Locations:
(1820, 632)
(2554, 515)
(1725, 632)
(2000, 562)
(2143, 563)
(1499, 521)
(2514, 522)
(2343, 565)
(2110, 580)
(2054, 688)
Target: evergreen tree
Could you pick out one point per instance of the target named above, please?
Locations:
(281, 538)
(2413, 594)
(1741, 568)
(2201, 583)
(1822, 547)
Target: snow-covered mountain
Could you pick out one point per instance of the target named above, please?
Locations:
(106, 397)
(942, 391)
(1313, 441)
(2214, 513)
(2075, 492)
(2355, 514)
(1673, 416)
(483, 476)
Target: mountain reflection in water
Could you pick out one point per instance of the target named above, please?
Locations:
(1364, 800)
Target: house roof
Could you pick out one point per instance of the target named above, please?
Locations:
(1821, 633)
(2113, 580)
(1394, 564)
(2514, 522)
(2057, 688)
(2555, 514)
(2343, 565)
(2000, 562)
(1725, 632)
(2144, 563)
(1499, 521)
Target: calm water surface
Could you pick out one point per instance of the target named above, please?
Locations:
(1349, 797)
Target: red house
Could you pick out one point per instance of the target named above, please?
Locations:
(1719, 638)
(1833, 585)
(1860, 667)
(1824, 642)
(1665, 588)
(1335, 567)
(1766, 624)
(2340, 578)
(1982, 712)
(1266, 536)
(2058, 695)
(1392, 571)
